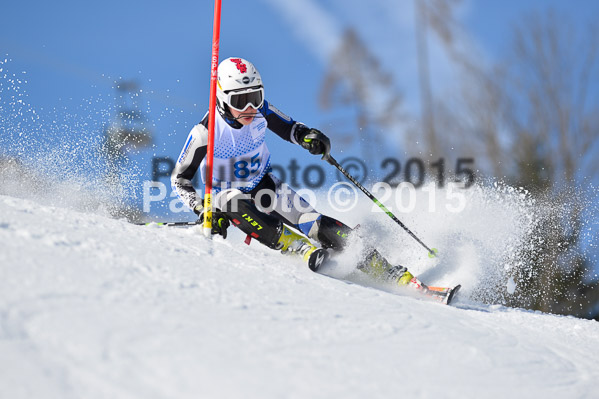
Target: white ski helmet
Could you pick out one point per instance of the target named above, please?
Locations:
(239, 84)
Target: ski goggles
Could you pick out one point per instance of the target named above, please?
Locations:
(240, 99)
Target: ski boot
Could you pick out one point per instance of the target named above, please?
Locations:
(378, 267)
(400, 274)
(291, 242)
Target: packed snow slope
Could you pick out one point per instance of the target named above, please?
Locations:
(92, 307)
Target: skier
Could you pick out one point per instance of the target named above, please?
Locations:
(246, 192)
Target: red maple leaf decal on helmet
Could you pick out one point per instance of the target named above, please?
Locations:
(240, 65)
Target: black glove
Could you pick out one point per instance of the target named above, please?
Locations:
(220, 220)
(312, 140)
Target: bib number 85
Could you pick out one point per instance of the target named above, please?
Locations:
(242, 170)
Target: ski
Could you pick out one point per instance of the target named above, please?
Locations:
(175, 224)
(443, 295)
(396, 275)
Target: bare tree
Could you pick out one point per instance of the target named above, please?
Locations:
(356, 79)
(438, 17)
(532, 118)
(555, 66)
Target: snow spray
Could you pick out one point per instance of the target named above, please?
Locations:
(488, 236)
(62, 156)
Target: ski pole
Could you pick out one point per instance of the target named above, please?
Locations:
(327, 157)
(175, 224)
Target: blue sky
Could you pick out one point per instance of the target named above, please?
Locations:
(71, 51)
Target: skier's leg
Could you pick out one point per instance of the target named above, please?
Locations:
(265, 197)
(378, 267)
(334, 234)
(265, 228)
(375, 265)
(280, 199)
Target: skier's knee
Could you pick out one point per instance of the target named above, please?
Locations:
(330, 232)
(228, 200)
(242, 211)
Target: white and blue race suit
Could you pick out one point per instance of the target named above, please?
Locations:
(242, 162)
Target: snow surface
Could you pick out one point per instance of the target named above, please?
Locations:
(92, 307)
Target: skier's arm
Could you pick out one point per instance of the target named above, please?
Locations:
(188, 163)
(284, 126)
(295, 132)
